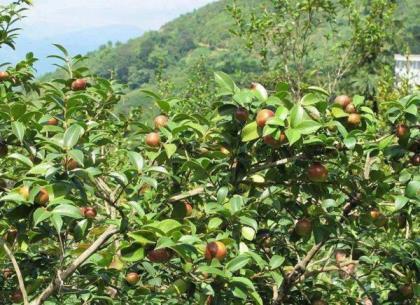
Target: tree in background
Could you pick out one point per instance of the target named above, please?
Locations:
(337, 44)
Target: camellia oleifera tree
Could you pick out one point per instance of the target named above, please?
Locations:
(257, 199)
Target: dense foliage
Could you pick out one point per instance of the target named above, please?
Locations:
(257, 198)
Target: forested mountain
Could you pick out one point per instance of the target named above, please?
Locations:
(199, 42)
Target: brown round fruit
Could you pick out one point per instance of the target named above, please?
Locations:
(79, 84)
(374, 214)
(241, 114)
(52, 122)
(380, 221)
(153, 139)
(354, 119)
(402, 131)
(263, 116)
(343, 100)
(161, 121)
(406, 291)
(159, 255)
(71, 164)
(415, 160)
(317, 172)
(7, 273)
(4, 76)
(132, 278)
(42, 197)
(340, 256)
(188, 209)
(4, 150)
(350, 108)
(303, 227)
(269, 140)
(215, 249)
(90, 213)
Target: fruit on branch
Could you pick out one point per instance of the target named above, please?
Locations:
(264, 238)
(7, 273)
(343, 100)
(4, 76)
(79, 84)
(159, 255)
(215, 249)
(24, 192)
(89, 212)
(340, 256)
(406, 291)
(303, 227)
(319, 302)
(415, 160)
(153, 139)
(10, 236)
(188, 208)
(402, 131)
(3, 149)
(317, 172)
(271, 141)
(161, 121)
(70, 164)
(354, 119)
(350, 108)
(378, 218)
(132, 278)
(16, 296)
(52, 122)
(241, 114)
(258, 88)
(42, 197)
(263, 116)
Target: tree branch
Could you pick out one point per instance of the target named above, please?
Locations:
(193, 192)
(17, 271)
(273, 164)
(63, 275)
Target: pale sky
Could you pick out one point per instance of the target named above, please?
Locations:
(52, 17)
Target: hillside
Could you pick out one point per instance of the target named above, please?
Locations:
(196, 43)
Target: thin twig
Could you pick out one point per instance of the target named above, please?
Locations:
(17, 271)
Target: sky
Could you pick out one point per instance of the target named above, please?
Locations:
(84, 25)
(52, 17)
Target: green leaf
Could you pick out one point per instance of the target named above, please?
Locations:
(296, 115)
(222, 194)
(338, 112)
(350, 142)
(282, 113)
(137, 160)
(276, 261)
(214, 223)
(22, 159)
(400, 202)
(67, 210)
(72, 136)
(170, 149)
(310, 99)
(225, 82)
(57, 222)
(236, 203)
(292, 135)
(213, 270)
(250, 132)
(77, 155)
(318, 90)
(133, 253)
(413, 189)
(41, 169)
(248, 233)
(238, 263)
(307, 127)
(40, 215)
(18, 130)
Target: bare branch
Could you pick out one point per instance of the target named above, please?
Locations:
(63, 275)
(193, 192)
(17, 271)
